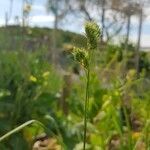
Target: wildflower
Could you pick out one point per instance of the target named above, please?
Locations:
(106, 103)
(116, 93)
(131, 74)
(136, 135)
(33, 78)
(46, 74)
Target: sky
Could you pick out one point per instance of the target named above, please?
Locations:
(39, 17)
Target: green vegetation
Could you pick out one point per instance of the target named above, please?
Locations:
(84, 57)
(31, 39)
(116, 108)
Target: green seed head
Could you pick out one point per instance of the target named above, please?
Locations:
(92, 31)
(81, 55)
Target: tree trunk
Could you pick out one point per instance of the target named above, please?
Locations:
(128, 33)
(138, 42)
(6, 19)
(23, 25)
(54, 38)
(125, 59)
(103, 20)
(54, 42)
(65, 93)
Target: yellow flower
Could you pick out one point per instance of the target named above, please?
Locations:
(33, 79)
(116, 93)
(136, 135)
(45, 74)
(131, 74)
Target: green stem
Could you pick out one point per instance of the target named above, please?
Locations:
(147, 137)
(86, 107)
(60, 138)
(19, 128)
(127, 117)
(28, 123)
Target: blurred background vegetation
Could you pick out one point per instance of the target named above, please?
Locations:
(40, 80)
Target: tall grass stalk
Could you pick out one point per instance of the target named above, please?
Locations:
(127, 117)
(147, 127)
(19, 128)
(84, 57)
(86, 106)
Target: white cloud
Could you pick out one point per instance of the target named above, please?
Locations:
(1, 22)
(147, 20)
(145, 40)
(41, 19)
(38, 8)
(134, 20)
(147, 11)
(10, 22)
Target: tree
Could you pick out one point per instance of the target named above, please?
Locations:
(87, 7)
(128, 12)
(59, 10)
(83, 7)
(102, 4)
(96, 10)
(139, 40)
(128, 9)
(9, 13)
(142, 4)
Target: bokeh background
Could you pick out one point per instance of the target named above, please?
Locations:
(40, 80)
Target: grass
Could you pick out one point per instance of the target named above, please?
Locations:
(31, 88)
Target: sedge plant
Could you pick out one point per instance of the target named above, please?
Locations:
(22, 126)
(84, 56)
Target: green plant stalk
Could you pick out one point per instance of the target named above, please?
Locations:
(84, 58)
(147, 138)
(60, 138)
(19, 128)
(129, 128)
(147, 128)
(117, 126)
(86, 107)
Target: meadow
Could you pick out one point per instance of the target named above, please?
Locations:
(93, 97)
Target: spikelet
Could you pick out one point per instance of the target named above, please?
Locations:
(81, 56)
(92, 31)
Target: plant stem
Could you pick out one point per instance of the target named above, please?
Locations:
(19, 128)
(127, 119)
(86, 107)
